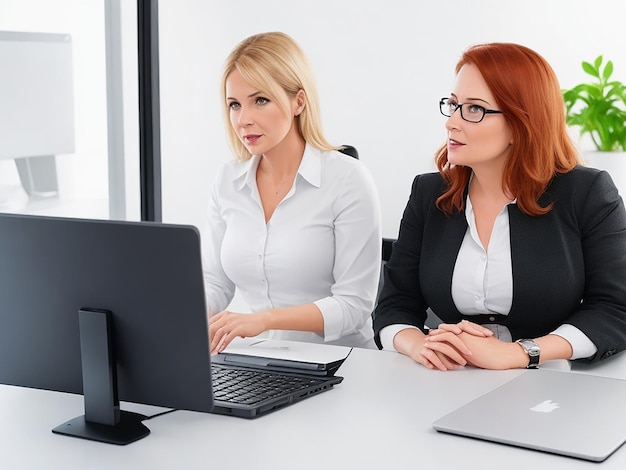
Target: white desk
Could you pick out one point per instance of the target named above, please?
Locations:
(364, 423)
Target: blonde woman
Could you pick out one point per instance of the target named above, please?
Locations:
(293, 224)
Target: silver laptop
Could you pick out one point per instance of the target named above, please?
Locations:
(566, 413)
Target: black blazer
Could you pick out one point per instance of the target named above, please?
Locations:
(569, 266)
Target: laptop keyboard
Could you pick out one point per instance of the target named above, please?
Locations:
(248, 387)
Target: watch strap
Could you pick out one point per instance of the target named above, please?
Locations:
(532, 349)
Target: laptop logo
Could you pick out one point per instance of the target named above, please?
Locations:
(545, 406)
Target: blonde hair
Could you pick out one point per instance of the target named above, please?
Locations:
(271, 62)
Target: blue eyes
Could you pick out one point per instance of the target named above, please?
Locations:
(259, 101)
(469, 108)
(475, 109)
(469, 111)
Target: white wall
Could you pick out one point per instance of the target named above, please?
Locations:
(381, 67)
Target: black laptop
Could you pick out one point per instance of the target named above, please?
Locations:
(255, 377)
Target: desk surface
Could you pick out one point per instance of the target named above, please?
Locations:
(379, 417)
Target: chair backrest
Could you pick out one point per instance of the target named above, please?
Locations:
(386, 254)
(350, 151)
(432, 320)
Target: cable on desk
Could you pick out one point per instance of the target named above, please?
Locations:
(159, 414)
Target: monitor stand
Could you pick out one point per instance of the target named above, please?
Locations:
(103, 420)
(38, 176)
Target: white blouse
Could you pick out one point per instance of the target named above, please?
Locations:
(321, 245)
(482, 283)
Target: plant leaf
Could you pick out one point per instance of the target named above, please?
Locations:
(598, 62)
(591, 70)
(598, 107)
(608, 70)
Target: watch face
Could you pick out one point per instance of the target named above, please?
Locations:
(533, 351)
(530, 346)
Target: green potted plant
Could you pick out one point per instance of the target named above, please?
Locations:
(598, 109)
(603, 112)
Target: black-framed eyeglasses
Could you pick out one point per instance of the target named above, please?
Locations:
(470, 112)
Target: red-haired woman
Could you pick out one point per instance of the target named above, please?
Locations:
(516, 247)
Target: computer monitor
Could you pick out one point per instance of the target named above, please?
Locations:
(109, 309)
(37, 94)
(37, 111)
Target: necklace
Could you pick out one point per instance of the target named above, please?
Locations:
(280, 187)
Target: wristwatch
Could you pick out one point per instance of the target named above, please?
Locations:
(533, 351)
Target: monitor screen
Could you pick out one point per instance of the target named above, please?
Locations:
(37, 94)
(122, 301)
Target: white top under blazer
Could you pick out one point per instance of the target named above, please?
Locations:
(482, 283)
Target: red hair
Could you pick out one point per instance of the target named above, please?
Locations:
(529, 96)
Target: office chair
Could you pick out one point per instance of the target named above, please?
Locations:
(350, 151)
(432, 321)
(386, 254)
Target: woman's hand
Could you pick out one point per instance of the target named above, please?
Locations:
(463, 326)
(445, 351)
(487, 352)
(442, 353)
(227, 325)
(492, 353)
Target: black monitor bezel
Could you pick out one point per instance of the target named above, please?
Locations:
(147, 274)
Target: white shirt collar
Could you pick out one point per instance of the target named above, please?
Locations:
(310, 169)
